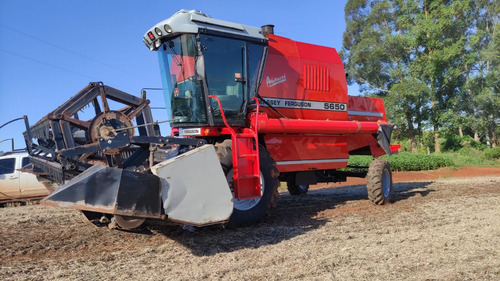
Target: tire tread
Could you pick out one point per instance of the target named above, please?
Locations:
(374, 181)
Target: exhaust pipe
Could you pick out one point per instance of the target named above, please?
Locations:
(267, 29)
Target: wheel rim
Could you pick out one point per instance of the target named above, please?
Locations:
(386, 183)
(248, 204)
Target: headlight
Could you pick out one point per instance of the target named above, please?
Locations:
(158, 31)
(167, 28)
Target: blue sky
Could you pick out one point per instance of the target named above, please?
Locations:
(49, 50)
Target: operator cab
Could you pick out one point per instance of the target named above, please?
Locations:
(200, 56)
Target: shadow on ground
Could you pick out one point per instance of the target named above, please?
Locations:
(293, 216)
(405, 190)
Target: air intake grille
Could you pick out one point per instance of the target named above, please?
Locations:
(316, 78)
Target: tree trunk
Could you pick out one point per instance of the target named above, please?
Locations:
(460, 132)
(476, 136)
(493, 135)
(437, 146)
(411, 132)
(413, 140)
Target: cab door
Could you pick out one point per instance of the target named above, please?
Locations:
(232, 68)
(225, 72)
(9, 179)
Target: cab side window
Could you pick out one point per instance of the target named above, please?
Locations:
(7, 166)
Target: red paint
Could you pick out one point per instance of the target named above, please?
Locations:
(359, 141)
(309, 72)
(300, 126)
(368, 106)
(287, 149)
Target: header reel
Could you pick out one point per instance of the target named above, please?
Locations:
(68, 144)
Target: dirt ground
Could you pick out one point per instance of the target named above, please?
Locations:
(441, 227)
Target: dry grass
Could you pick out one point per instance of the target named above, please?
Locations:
(447, 230)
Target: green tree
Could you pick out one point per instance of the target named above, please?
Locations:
(480, 97)
(378, 48)
(442, 36)
(413, 53)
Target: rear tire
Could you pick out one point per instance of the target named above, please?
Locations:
(297, 189)
(379, 182)
(246, 212)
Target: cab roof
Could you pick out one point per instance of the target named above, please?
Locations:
(192, 21)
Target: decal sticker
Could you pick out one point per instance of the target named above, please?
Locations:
(270, 82)
(306, 104)
(190, 132)
(366, 113)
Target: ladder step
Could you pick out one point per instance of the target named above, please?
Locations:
(246, 136)
(249, 177)
(247, 155)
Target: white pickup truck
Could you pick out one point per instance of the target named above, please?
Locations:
(16, 185)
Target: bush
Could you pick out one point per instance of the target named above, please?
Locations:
(406, 161)
(470, 152)
(452, 143)
(360, 160)
(418, 162)
(455, 143)
(493, 153)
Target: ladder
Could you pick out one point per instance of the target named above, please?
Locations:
(245, 149)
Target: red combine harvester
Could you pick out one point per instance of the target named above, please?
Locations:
(249, 109)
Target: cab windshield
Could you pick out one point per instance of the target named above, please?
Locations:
(227, 67)
(181, 86)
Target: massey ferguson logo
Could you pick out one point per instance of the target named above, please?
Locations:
(275, 81)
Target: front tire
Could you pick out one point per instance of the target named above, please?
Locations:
(250, 211)
(129, 223)
(379, 182)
